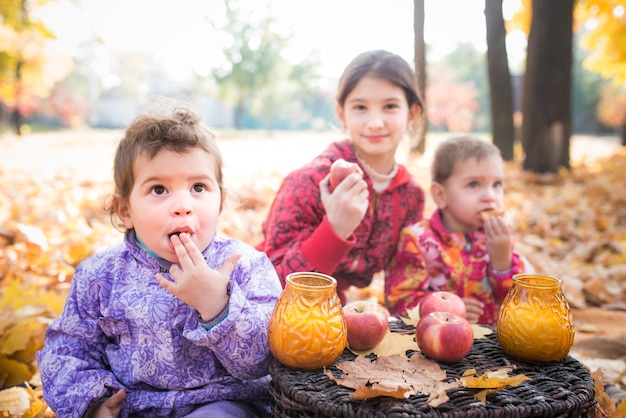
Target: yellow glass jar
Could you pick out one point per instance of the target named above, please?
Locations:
(535, 323)
(307, 329)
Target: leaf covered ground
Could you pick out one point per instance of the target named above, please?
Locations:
(571, 225)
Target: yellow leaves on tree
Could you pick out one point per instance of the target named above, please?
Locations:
(606, 41)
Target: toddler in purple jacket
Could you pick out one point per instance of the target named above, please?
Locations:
(173, 321)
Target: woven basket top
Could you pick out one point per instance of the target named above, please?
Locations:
(561, 389)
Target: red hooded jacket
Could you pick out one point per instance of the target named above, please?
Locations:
(298, 236)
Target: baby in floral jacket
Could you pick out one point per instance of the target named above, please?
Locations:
(460, 249)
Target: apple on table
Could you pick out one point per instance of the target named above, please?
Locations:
(444, 336)
(442, 301)
(367, 323)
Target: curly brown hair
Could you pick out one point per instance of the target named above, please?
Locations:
(177, 128)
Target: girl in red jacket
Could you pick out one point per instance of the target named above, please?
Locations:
(352, 233)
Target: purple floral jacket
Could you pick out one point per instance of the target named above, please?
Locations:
(121, 329)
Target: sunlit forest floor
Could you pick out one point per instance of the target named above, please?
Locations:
(571, 225)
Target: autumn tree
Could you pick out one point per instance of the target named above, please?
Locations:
(457, 92)
(22, 61)
(500, 91)
(606, 43)
(256, 76)
(418, 134)
(452, 104)
(546, 127)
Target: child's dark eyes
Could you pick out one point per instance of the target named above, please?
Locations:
(158, 190)
(199, 188)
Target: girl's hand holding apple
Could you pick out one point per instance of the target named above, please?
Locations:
(346, 205)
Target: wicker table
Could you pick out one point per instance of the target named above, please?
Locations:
(563, 389)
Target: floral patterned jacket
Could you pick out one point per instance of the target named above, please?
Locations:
(121, 330)
(429, 258)
(298, 236)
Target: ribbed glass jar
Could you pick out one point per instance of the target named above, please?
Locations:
(307, 329)
(535, 323)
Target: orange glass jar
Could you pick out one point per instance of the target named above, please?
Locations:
(535, 323)
(307, 329)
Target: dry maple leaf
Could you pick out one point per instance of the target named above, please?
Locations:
(481, 332)
(413, 316)
(491, 381)
(395, 376)
(498, 378)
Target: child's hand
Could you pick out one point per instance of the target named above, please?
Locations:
(499, 242)
(194, 282)
(346, 205)
(474, 309)
(110, 407)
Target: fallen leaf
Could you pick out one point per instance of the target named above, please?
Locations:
(620, 411)
(413, 316)
(493, 379)
(15, 401)
(605, 404)
(481, 332)
(395, 376)
(393, 343)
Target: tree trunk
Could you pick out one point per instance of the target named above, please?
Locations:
(2, 116)
(547, 125)
(16, 118)
(500, 90)
(239, 108)
(418, 134)
(624, 133)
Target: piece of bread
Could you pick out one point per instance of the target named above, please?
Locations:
(485, 214)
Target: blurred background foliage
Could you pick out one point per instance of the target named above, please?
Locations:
(258, 88)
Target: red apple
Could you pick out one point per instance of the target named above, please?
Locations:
(367, 323)
(442, 302)
(444, 336)
(340, 169)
